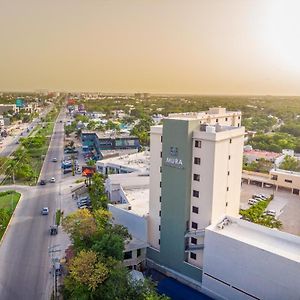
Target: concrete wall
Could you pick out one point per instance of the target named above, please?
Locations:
(137, 225)
(235, 270)
(155, 190)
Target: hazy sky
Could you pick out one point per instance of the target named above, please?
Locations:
(159, 46)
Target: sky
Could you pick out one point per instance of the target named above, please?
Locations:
(156, 46)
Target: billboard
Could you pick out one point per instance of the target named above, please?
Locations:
(88, 171)
(20, 102)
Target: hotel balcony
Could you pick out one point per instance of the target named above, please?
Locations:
(195, 233)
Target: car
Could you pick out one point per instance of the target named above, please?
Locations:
(67, 171)
(83, 207)
(52, 180)
(45, 211)
(268, 185)
(54, 159)
(252, 201)
(43, 182)
(271, 212)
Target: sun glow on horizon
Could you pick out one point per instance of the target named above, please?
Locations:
(283, 31)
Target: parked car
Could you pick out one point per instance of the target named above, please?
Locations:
(67, 171)
(271, 212)
(52, 180)
(45, 211)
(43, 182)
(54, 159)
(252, 201)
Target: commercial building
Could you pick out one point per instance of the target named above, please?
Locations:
(246, 261)
(4, 108)
(195, 178)
(276, 178)
(100, 142)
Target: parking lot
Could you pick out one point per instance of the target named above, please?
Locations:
(286, 205)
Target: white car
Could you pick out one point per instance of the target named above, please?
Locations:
(252, 201)
(45, 211)
(52, 180)
(54, 159)
(271, 212)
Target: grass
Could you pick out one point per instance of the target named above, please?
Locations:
(58, 216)
(8, 203)
(256, 215)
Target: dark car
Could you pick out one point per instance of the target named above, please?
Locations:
(43, 182)
(67, 171)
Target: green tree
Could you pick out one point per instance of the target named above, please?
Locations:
(97, 192)
(290, 163)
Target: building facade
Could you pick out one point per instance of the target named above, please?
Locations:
(195, 178)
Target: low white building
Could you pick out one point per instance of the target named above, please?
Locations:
(128, 193)
(243, 260)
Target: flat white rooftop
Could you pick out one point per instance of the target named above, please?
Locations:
(139, 161)
(138, 199)
(131, 180)
(285, 172)
(274, 241)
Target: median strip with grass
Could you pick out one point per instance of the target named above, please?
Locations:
(256, 214)
(8, 203)
(27, 161)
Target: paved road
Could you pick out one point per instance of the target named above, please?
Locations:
(12, 146)
(24, 258)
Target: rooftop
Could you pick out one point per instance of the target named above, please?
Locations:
(138, 161)
(262, 154)
(271, 240)
(138, 199)
(280, 171)
(212, 112)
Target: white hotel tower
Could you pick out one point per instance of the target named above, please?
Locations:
(195, 178)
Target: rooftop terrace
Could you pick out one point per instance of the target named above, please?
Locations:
(271, 240)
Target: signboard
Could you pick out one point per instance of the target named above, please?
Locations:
(20, 102)
(172, 160)
(88, 171)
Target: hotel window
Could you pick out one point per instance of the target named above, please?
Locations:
(160, 183)
(196, 177)
(229, 157)
(197, 160)
(128, 255)
(195, 209)
(193, 255)
(239, 117)
(198, 144)
(226, 204)
(228, 173)
(160, 213)
(161, 139)
(226, 119)
(227, 189)
(159, 228)
(160, 154)
(217, 120)
(159, 198)
(287, 180)
(230, 141)
(195, 193)
(159, 242)
(194, 225)
(160, 169)
(193, 241)
(138, 252)
(238, 124)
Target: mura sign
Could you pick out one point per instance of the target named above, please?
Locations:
(173, 160)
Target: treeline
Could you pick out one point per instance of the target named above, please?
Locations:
(95, 270)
